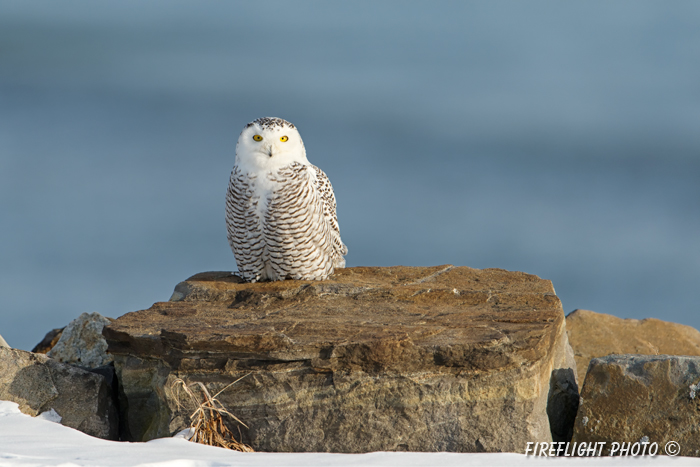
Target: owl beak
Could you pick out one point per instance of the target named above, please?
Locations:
(269, 151)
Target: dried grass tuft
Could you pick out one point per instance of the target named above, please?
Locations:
(206, 421)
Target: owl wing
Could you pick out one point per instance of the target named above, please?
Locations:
(325, 190)
(243, 229)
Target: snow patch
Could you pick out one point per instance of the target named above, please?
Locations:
(50, 415)
(187, 434)
(29, 441)
(7, 407)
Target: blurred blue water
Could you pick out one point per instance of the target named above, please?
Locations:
(556, 138)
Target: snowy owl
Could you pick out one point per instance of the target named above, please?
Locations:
(280, 209)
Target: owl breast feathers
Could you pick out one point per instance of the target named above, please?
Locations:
(280, 209)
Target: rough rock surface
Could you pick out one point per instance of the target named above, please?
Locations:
(49, 341)
(81, 342)
(38, 384)
(628, 397)
(420, 359)
(594, 335)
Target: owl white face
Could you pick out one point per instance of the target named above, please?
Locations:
(268, 144)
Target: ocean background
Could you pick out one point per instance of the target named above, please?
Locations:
(557, 138)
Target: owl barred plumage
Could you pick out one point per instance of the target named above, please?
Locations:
(280, 209)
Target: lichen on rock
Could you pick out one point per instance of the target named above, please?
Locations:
(82, 343)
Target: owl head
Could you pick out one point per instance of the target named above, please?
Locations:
(269, 143)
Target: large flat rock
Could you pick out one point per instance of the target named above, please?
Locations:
(403, 358)
(638, 398)
(593, 335)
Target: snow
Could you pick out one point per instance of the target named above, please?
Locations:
(26, 441)
(51, 416)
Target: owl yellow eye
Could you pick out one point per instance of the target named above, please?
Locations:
(257, 138)
(284, 139)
